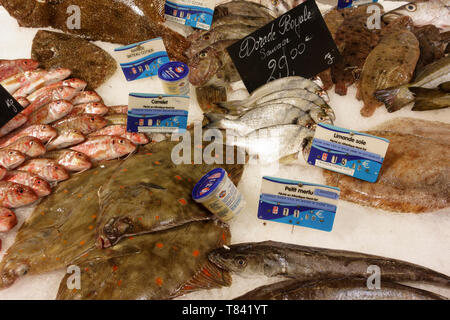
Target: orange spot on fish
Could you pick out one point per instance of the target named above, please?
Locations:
(159, 281)
(82, 243)
(66, 191)
(122, 187)
(182, 201)
(174, 248)
(195, 253)
(74, 290)
(156, 174)
(95, 172)
(42, 213)
(124, 170)
(80, 195)
(130, 238)
(91, 227)
(119, 283)
(150, 193)
(86, 269)
(57, 258)
(65, 241)
(157, 162)
(178, 177)
(206, 272)
(159, 245)
(224, 236)
(140, 218)
(148, 153)
(115, 268)
(187, 287)
(94, 216)
(156, 217)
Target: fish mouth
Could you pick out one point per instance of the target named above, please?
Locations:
(214, 257)
(390, 16)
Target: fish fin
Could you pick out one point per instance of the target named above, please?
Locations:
(427, 104)
(390, 98)
(215, 119)
(445, 86)
(209, 96)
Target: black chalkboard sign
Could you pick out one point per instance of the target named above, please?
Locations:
(298, 43)
(9, 107)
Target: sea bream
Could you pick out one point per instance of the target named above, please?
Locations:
(9, 68)
(337, 289)
(271, 259)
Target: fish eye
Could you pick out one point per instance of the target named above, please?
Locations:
(206, 37)
(241, 261)
(203, 54)
(411, 7)
(321, 118)
(308, 125)
(20, 190)
(92, 119)
(11, 153)
(121, 141)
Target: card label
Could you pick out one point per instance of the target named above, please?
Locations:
(194, 13)
(9, 107)
(298, 203)
(353, 153)
(157, 113)
(298, 43)
(143, 59)
(353, 3)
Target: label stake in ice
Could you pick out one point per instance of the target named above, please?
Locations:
(298, 203)
(194, 13)
(355, 154)
(9, 107)
(157, 113)
(143, 59)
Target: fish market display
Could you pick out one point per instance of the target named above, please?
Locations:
(431, 76)
(155, 266)
(273, 259)
(102, 20)
(86, 60)
(156, 193)
(415, 176)
(424, 12)
(337, 289)
(390, 64)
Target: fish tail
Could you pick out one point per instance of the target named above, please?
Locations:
(391, 98)
(427, 104)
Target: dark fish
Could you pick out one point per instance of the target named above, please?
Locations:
(337, 289)
(103, 20)
(429, 99)
(207, 98)
(432, 46)
(243, 8)
(161, 265)
(272, 259)
(86, 60)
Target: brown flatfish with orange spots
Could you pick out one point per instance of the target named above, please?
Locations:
(154, 266)
(150, 193)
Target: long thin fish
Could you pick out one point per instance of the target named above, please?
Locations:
(272, 259)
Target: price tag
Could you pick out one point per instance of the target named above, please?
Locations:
(143, 59)
(298, 43)
(355, 154)
(194, 13)
(9, 107)
(298, 203)
(157, 113)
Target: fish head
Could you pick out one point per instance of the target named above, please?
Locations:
(19, 195)
(55, 172)
(198, 41)
(75, 161)
(204, 66)
(63, 93)
(40, 186)
(27, 64)
(320, 116)
(11, 158)
(306, 147)
(33, 147)
(238, 259)
(76, 83)
(96, 108)
(11, 271)
(7, 219)
(45, 132)
(420, 11)
(95, 121)
(59, 73)
(122, 146)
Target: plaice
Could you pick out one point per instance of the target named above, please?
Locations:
(60, 228)
(150, 193)
(160, 265)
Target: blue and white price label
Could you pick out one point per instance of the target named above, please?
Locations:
(142, 60)
(298, 203)
(163, 113)
(194, 13)
(353, 153)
